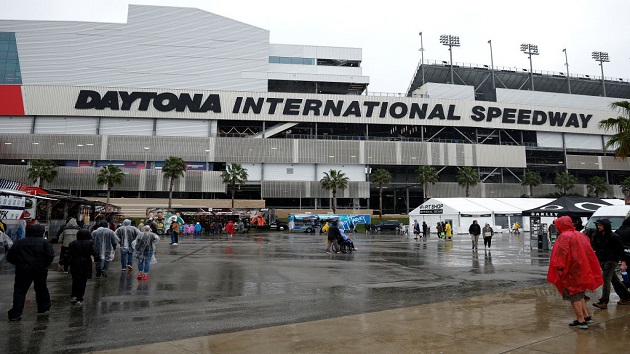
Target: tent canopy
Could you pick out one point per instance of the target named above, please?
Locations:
(574, 206)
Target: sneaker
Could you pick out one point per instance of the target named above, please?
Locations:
(124, 269)
(129, 267)
(624, 301)
(13, 319)
(588, 320)
(139, 275)
(601, 305)
(580, 325)
(79, 303)
(175, 244)
(73, 300)
(327, 252)
(146, 277)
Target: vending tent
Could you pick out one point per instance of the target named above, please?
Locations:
(573, 206)
(500, 213)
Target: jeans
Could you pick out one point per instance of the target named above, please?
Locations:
(329, 243)
(174, 237)
(145, 264)
(101, 267)
(126, 257)
(608, 272)
(23, 280)
(78, 288)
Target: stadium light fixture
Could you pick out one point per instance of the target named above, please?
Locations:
(602, 57)
(450, 41)
(530, 49)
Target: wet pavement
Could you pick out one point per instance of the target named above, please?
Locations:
(214, 286)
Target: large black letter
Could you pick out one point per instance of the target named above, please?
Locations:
(451, 113)
(171, 102)
(213, 103)
(478, 113)
(87, 99)
(185, 100)
(353, 109)
(292, 107)
(539, 118)
(403, 110)
(416, 110)
(312, 105)
(110, 100)
(523, 116)
(557, 118)
(256, 107)
(334, 107)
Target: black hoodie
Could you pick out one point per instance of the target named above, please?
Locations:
(32, 252)
(624, 233)
(607, 245)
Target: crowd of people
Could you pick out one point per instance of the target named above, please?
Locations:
(80, 249)
(579, 263)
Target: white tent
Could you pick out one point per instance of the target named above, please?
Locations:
(460, 212)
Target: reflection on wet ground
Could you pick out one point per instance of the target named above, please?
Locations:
(215, 285)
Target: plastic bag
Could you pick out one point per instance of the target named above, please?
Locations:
(153, 259)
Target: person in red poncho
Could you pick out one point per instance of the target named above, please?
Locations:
(229, 228)
(573, 268)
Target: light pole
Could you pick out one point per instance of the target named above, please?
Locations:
(450, 41)
(566, 63)
(422, 58)
(79, 146)
(207, 160)
(492, 65)
(146, 153)
(368, 171)
(530, 49)
(602, 57)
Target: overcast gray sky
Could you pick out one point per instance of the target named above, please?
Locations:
(387, 31)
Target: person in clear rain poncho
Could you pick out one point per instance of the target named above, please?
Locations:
(5, 242)
(106, 242)
(127, 233)
(144, 250)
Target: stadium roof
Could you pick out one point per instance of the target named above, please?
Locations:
(516, 79)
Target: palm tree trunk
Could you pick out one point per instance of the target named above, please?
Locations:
(109, 191)
(334, 201)
(467, 190)
(426, 190)
(531, 191)
(233, 192)
(380, 201)
(170, 192)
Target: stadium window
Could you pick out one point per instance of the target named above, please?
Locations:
(285, 60)
(274, 60)
(299, 61)
(290, 170)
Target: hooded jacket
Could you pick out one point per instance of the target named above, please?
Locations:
(127, 233)
(474, 229)
(624, 232)
(607, 245)
(69, 232)
(80, 253)
(573, 265)
(106, 241)
(32, 252)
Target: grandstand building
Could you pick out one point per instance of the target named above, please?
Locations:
(211, 90)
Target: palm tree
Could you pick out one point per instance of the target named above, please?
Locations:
(467, 177)
(625, 186)
(234, 174)
(532, 179)
(334, 180)
(565, 181)
(597, 186)
(174, 167)
(381, 176)
(110, 175)
(42, 170)
(621, 127)
(426, 175)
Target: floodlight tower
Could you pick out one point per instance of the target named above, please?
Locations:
(450, 41)
(422, 57)
(602, 57)
(530, 49)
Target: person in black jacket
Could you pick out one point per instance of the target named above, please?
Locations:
(80, 253)
(624, 232)
(333, 237)
(31, 256)
(608, 248)
(474, 230)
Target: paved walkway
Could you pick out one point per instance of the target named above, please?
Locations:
(530, 320)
